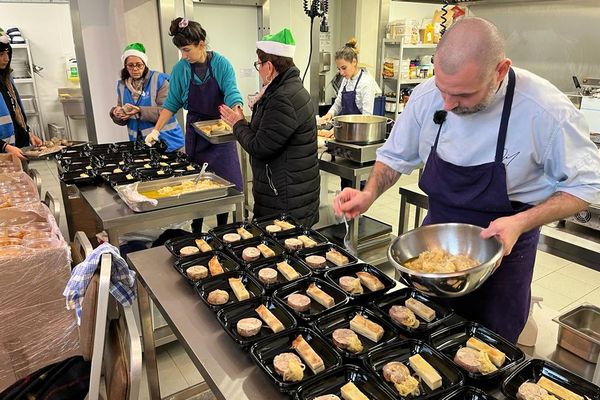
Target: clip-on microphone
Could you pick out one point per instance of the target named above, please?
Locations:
(439, 116)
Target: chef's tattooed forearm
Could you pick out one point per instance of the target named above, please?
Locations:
(383, 177)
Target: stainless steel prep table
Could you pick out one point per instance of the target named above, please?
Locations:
(116, 218)
(575, 244)
(228, 371)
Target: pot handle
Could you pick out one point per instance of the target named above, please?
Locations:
(390, 121)
(333, 123)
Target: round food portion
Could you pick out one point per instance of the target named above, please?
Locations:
(531, 391)
(273, 228)
(218, 297)
(351, 284)
(404, 316)
(231, 237)
(189, 250)
(248, 326)
(299, 302)
(316, 262)
(468, 359)
(267, 275)
(250, 254)
(293, 244)
(395, 372)
(197, 272)
(327, 397)
(282, 366)
(346, 339)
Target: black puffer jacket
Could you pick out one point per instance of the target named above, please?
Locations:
(282, 142)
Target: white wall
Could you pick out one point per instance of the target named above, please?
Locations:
(408, 10)
(47, 27)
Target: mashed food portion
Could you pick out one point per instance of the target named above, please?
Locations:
(186, 186)
(440, 261)
(219, 127)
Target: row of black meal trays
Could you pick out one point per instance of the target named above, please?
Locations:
(217, 269)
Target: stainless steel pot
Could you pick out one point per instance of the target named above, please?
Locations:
(360, 129)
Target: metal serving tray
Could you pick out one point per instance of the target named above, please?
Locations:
(579, 331)
(172, 201)
(217, 137)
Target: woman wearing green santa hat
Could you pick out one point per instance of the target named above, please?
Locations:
(140, 94)
(13, 121)
(281, 138)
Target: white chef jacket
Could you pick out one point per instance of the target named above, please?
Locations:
(548, 146)
(365, 93)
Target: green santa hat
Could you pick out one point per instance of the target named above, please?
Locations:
(135, 49)
(281, 44)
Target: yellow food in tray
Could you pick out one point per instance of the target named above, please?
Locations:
(186, 186)
(440, 261)
(219, 127)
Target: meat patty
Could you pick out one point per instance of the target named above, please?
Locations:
(231, 237)
(267, 275)
(273, 228)
(351, 284)
(468, 359)
(189, 250)
(346, 339)
(218, 297)
(197, 272)
(299, 302)
(250, 254)
(404, 316)
(531, 391)
(327, 397)
(395, 372)
(248, 326)
(281, 363)
(293, 244)
(316, 262)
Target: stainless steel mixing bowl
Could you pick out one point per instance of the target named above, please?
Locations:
(455, 239)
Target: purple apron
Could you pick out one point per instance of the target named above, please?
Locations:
(349, 99)
(477, 195)
(203, 104)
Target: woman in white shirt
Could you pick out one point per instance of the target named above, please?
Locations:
(358, 87)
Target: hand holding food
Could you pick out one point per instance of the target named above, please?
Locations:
(152, 137)
(16, 151)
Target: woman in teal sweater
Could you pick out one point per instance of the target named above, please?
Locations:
(200, 82)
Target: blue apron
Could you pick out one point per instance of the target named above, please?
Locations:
(478, 195)
(203, 104)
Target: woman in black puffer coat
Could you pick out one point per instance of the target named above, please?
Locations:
(281, 138)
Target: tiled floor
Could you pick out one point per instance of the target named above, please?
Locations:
(562, 284)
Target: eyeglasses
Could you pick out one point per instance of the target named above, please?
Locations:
(257, 63)
(136, 65)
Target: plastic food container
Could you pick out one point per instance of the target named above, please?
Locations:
(41, 244)
(37, 235)
(579, 331)
(6, 241)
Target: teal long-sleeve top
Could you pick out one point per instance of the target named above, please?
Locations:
(180, 81)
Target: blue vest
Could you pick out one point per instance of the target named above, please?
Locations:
(171, 133)
(7, 129)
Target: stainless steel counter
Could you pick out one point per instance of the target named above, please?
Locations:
(229, 371)
(116, 218)
(572, 242)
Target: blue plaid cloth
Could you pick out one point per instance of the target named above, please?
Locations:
(122, 279)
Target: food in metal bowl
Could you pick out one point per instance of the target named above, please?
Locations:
(438, 260)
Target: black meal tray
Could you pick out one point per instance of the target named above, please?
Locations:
(533, 369)
(332, 381)
(219, 231)
(262, 222)
(75, 178)
(294, 233)
(450, 339)
(230, 315)
(153, 174)
(335, 274)
(320, 250)
(326, 324)
(202, 259)
(302, 270)
(176, 244)
(181, 169)
(221, 282)
(237, 249)
(398, 297)
(264, 352)
(452, 378)
(316, 309)
(120, 179)
(469, 393)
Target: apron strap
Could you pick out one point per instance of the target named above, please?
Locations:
(508, 100)
(355, 86)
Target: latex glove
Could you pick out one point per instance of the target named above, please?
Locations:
(16, 151)
(35, 141)
(152, 137)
